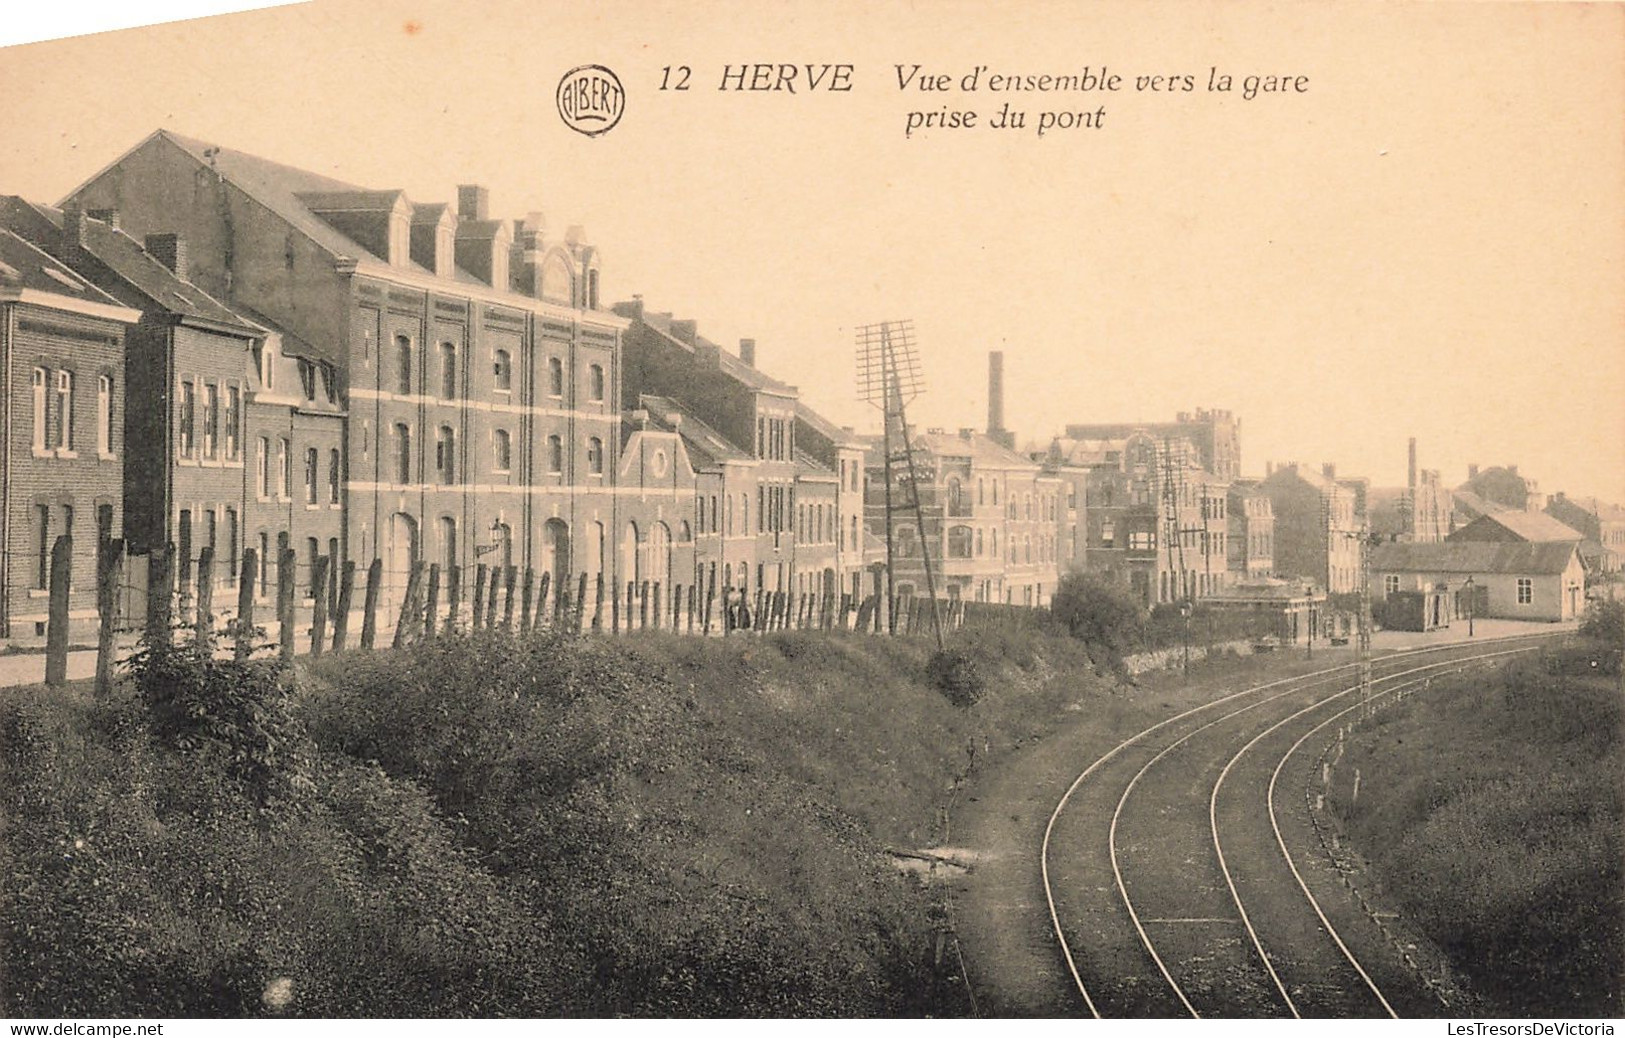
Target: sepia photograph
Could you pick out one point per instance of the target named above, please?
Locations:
(519, 510)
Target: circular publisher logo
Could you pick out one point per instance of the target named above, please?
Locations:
(591, 99)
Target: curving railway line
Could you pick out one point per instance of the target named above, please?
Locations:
(1184, 875)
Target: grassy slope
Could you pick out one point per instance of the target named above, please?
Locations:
(1491, 810)
(650, 826)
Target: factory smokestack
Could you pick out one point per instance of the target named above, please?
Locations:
(995, 400)
(1410, 479)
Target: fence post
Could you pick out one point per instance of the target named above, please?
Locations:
(479, 596)
(369, 604)
(643, 605)
(318, 610)
(109, 575)
(655, 603)
(491, 591)
(526, 595)
(56, 631)
(510, 578)
(245, 604)
(405, 621)
(598, 602)
(431, 604)
(614, 606)
(184, 585)
(454, 592)
(710, 600)
(158, 602)
(581, 600)
(203, 621)
(287, 560)
(631, 603)
(693, 600)
(341, 618)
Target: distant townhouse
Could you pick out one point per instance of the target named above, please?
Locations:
(478, 377)
(1319, 525)
(1495, 488)
(63, 341)
(1250, 518)
(841, 451)
(1601, 523)
(1154, 517)
(989, 519)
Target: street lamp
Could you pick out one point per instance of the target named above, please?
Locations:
(1468, 587)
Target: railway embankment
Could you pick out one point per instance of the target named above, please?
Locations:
(489, 826)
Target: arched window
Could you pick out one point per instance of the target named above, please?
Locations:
(39, 409)
(595, 382)
(445, 455)
(595, 455)
(502, 369)
(501, 450)
(448, 543)
(555, 377)
(403, 361)
(448, 370)
(956, 497)
(555, 454)
(104, 415)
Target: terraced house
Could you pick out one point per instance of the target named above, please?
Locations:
(477, 378)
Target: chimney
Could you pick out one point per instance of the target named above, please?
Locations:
(747, 352)
(73, 233)
(473, 202)
(640, 418)
(995, 393)
(631, 309)
(1472, 470)
(685, 331)
(1410, 479)
(170, 250)
(967, 433)
(107, 216)
(1328, 469)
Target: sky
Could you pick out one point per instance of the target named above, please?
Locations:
(1427, 239)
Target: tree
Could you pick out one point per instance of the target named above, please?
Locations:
(1101, 613)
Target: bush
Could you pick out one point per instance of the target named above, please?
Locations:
(1101, 613)
(1605, 622)
(236, 710)
(955, 674)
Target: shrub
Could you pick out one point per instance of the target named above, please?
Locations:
(236, 710)
(1605, 622)
(1101, 613)
(955, 674)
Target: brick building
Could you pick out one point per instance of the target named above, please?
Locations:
(1215, 434)
(1250, 529)
(1601, 523)
(478, 379)
(63, 341)
(1320, 522)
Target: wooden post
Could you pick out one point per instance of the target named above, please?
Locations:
(341, 618)
(509, 582)
(541, 598)
(598, 602)
(406, 620)
(759, 612)
(287, 563)
(491, 591)
(614, 607)
(432, 602)
(369, 604)
(245, 604)
(655, 603)
(454, 592)
(203, 622)
(527, 595)
(109, 575)
(318, 612)
(158, 595)
(693, 596)
(581, 601)
(183, 571)
(631, 603)
(479, 595)
(56, 630)
(643, 605)
(710, 603)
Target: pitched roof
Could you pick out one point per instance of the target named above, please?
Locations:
(809, 467)
(707, 448)
(981, 450)
(826, 428)
(1476, 503)
(1510, 557)
(1529, 526)
(24, 266)
(125, 257)
(727, 363)
(1596, 506)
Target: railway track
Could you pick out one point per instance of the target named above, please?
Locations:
(1191, 887)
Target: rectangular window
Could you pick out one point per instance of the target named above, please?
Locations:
(1526, 590)
(187, 418)
(42, 524)
(40, 415)
(211, 419)
(284, 457)
(104, 415)
(1390, 584)
(64, 410)
(232, 546)
(403, 453)
(311, 475)
(333, 477)
(1142, 540)
(231, 420)
(262, 469)
(444, 454)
